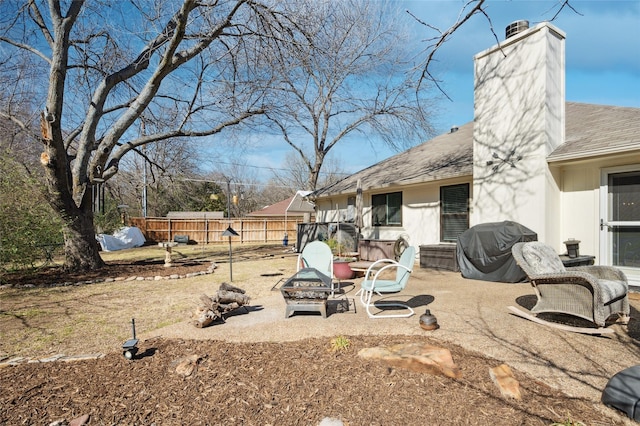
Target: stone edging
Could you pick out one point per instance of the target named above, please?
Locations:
(208, 271)
(64, 358)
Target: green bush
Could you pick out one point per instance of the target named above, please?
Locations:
(28, 225)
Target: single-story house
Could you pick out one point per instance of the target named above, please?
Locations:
(563, 169)
(295, 207)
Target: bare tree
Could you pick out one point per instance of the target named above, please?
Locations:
(346, 72)
(90, 71)
(99, 66)
(296, 174)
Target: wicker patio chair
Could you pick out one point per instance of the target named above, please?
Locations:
(593, 293)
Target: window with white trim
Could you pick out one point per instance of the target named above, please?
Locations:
(386, 209)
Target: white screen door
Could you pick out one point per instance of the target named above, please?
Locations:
(620, 220)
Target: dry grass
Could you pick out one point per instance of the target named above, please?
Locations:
(97, 317)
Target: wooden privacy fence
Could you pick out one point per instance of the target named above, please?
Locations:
(205, 231)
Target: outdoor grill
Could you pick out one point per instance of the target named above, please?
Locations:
(308, 291)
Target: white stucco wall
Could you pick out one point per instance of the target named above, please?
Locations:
(580, 204)
(420, 213)
(581, 199)
(519, 120)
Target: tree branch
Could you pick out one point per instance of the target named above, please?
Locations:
(36, 16)
(444, 36)
(27, 48)
(112, 167)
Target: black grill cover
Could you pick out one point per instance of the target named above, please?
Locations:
(484, 251)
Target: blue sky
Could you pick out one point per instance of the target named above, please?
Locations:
(602, 63)
(602, 50)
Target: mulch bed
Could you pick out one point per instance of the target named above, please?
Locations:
(297, 383)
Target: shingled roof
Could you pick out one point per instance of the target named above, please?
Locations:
(590, 130)
(296, 205)
(445, 156)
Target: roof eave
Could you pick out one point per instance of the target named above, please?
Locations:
(573, 156)
(401, 183)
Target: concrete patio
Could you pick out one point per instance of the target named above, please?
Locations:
(472, 314)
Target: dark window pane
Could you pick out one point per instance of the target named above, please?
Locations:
(626, 246)
(378, 210)
(454, 225)
(454, 212)
(624, 196)
(394, 203)
(456, 199)
(386, 209)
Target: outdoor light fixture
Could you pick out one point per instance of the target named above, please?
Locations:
(509, 159)
(130, 348)
(230, 232)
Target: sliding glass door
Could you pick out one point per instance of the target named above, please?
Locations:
(620, 219)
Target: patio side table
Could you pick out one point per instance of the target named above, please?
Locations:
(577, 261)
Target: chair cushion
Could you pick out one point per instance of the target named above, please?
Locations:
(612, 289)
(383, 286)
(542, 259)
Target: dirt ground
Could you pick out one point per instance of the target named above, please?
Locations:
(176, 381)
(298, 383)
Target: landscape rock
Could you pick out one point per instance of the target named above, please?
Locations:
(13, 361)
(417, 357)
(186, 366)
(80, 421)
(49, 359)
(72, 358)
(503, 377)
(330, 421)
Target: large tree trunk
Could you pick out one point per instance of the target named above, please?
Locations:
(80, 245)
(69, 195)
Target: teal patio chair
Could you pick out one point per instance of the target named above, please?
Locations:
(372, 283)
(317, 255)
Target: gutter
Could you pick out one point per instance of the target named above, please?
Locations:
(627, 149)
